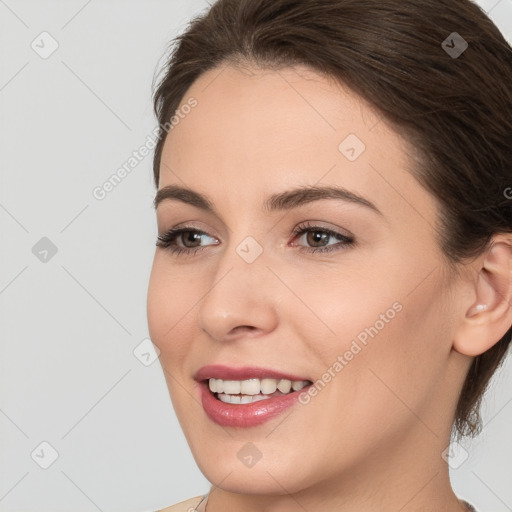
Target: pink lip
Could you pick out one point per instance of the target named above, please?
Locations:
(218, 371)
(245, 415)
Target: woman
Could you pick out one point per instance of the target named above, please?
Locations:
(331, 289)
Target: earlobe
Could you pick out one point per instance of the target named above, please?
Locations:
(489, 316)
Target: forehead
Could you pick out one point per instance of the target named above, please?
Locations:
(261, 131)
(272, 110)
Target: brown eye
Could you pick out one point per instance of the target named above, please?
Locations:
(317, 238)
(191, 236)
(191, 239)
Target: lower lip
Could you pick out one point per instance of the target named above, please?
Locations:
(245, 415)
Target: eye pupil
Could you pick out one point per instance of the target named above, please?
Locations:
(317, 236)
(192, 236)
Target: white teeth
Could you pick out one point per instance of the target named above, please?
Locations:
(268, 386)
(298, 384)
(243, 399)
(235, 399)
(284, 385)
(250, 387)
(231, 387)
(251, 390)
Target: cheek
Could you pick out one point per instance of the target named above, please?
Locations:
(399, 368)
(170, 309)
(384, 339)
(350, 309)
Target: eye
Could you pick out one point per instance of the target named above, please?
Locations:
(320, 235)
(315, 235)
(168, 240)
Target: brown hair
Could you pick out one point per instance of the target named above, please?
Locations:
(455, 109)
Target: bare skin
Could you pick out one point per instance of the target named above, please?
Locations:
(372, 438)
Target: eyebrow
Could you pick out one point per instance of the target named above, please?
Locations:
(277, 202)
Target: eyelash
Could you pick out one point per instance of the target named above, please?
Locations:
(166, 241)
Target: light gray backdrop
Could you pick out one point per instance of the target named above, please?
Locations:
(86, 422)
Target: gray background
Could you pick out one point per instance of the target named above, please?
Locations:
(68, 373)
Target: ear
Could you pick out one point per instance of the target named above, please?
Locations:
(489, 316)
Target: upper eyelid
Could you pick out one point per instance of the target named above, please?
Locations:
(301, 227)
(168, 239)
(185, 227)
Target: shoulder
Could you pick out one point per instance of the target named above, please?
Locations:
(184, 506)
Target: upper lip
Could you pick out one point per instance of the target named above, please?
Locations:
(218, 371)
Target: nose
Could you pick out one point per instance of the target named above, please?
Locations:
(242, 299)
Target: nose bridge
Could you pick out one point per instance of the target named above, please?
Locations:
(241, 292)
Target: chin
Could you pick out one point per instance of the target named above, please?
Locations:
(224, 469)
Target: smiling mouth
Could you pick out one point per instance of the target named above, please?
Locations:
(248, 391)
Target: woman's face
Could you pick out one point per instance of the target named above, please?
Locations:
(375, 313)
